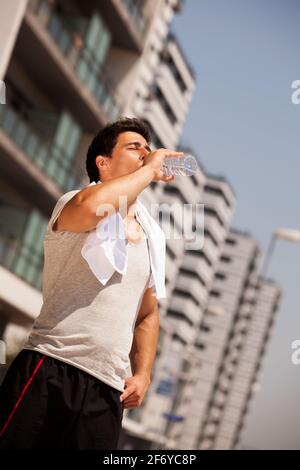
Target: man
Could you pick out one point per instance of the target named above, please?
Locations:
(68, 386)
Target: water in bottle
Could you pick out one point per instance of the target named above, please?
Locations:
(181, 166)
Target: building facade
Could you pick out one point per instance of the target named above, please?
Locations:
(233, 336)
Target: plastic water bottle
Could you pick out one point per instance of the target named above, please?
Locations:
(181, 166)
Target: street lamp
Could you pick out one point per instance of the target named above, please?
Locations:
(290, 235)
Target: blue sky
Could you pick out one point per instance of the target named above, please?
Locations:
(243, 125)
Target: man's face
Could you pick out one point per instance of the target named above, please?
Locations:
(127, 156)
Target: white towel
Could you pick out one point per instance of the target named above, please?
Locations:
(105, 248)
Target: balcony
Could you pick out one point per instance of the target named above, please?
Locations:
(134, 9)
(218, 204)
(193, 286)
(212, 224)
(126, 20)
(160, 123)
(199, 266)
(186, 307)
(169, 86)
(71, 52)
(21, 242)
(210, 249)
(183, 330)
(189, 192)
(50, 141)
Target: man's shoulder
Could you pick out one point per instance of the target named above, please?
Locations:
(69, 194)
(58, 207)
(64, 198)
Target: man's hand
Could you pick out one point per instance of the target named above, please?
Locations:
(156, 158)
(135, 390)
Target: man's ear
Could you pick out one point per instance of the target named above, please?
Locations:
(102, 161)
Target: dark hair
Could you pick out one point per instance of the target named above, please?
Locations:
(104, 142)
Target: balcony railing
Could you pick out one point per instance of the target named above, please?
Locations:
(22, 253)
(134, 9)
(84, 43)
(53, 153)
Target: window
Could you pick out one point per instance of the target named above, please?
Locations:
(192, 274)
(176, 192)
(213, 212)
(154, 137)
(96, 45)
(48, 139)
(205, 327)
(218, 192)
(62, 151)
(230, 241)
(21, 242)
(186, 295)
(203, 255)
(220, 276)
(179, 316)
(164, 104)
(210, 236)
(215, 293)
(176, 337)
(175, 72)
(225, 259)
(170, 252)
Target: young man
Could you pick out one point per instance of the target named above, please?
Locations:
(68, 386)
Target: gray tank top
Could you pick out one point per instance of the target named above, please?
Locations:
(81, 321)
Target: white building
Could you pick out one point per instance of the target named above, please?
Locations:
(233, 335)
(245, 381)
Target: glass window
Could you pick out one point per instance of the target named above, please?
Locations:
(62, 131)
(31, 227)
(60, 178)
(54, 27)
(97, 42)
(73, 141)
(2, 111)
(29, 262)
(9, 121)
(65, 42)
(82, 70)
(92, 33)
(100, 52)
(52, 167)
(31, 145)
(41, 156)
(20, 133)
(20, 266)
(91, 83)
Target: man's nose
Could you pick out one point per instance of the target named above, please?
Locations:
(143, 153)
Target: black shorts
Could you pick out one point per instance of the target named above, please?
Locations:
(46, 403)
